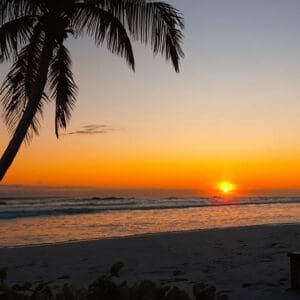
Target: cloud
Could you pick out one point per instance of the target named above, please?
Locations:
(92, 129)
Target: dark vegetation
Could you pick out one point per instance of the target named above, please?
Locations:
(104, 288)
(33, 35)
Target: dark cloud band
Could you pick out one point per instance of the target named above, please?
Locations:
(92, 129)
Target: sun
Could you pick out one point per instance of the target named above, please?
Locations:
(226, 187)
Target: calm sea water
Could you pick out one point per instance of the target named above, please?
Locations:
(30, 221)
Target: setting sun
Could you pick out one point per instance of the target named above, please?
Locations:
(226, 187)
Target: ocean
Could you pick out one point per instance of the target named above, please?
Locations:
(44, 220)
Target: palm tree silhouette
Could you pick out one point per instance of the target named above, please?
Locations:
(32, 34)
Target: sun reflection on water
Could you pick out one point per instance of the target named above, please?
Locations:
(125, 223)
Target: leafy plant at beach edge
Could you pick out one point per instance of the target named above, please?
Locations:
(104, 288)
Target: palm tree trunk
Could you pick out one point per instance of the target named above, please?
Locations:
(31, 108)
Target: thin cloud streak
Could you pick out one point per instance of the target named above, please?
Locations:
(92, 129)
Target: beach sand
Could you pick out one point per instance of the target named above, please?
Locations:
(247, 262)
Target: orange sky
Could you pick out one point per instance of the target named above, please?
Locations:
(70, 161)
(231, 114)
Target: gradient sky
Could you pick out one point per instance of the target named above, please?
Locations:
(231, 114)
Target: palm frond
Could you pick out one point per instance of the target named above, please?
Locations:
(14, 34)
(13, 9)
(102, 25)
(18, 86)
(157, 23)
(63, 87)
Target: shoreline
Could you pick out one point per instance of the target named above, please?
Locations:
(249, 262)
(153, 208)
(150, 234)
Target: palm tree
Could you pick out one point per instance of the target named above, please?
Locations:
(33, 33)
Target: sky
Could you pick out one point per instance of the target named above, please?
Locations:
(232, 114)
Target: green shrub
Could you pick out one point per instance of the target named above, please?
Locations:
(104, 288)
(116, 268)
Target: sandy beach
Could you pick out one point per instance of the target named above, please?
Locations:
(247, 262)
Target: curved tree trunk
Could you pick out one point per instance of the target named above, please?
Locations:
(31, 108)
